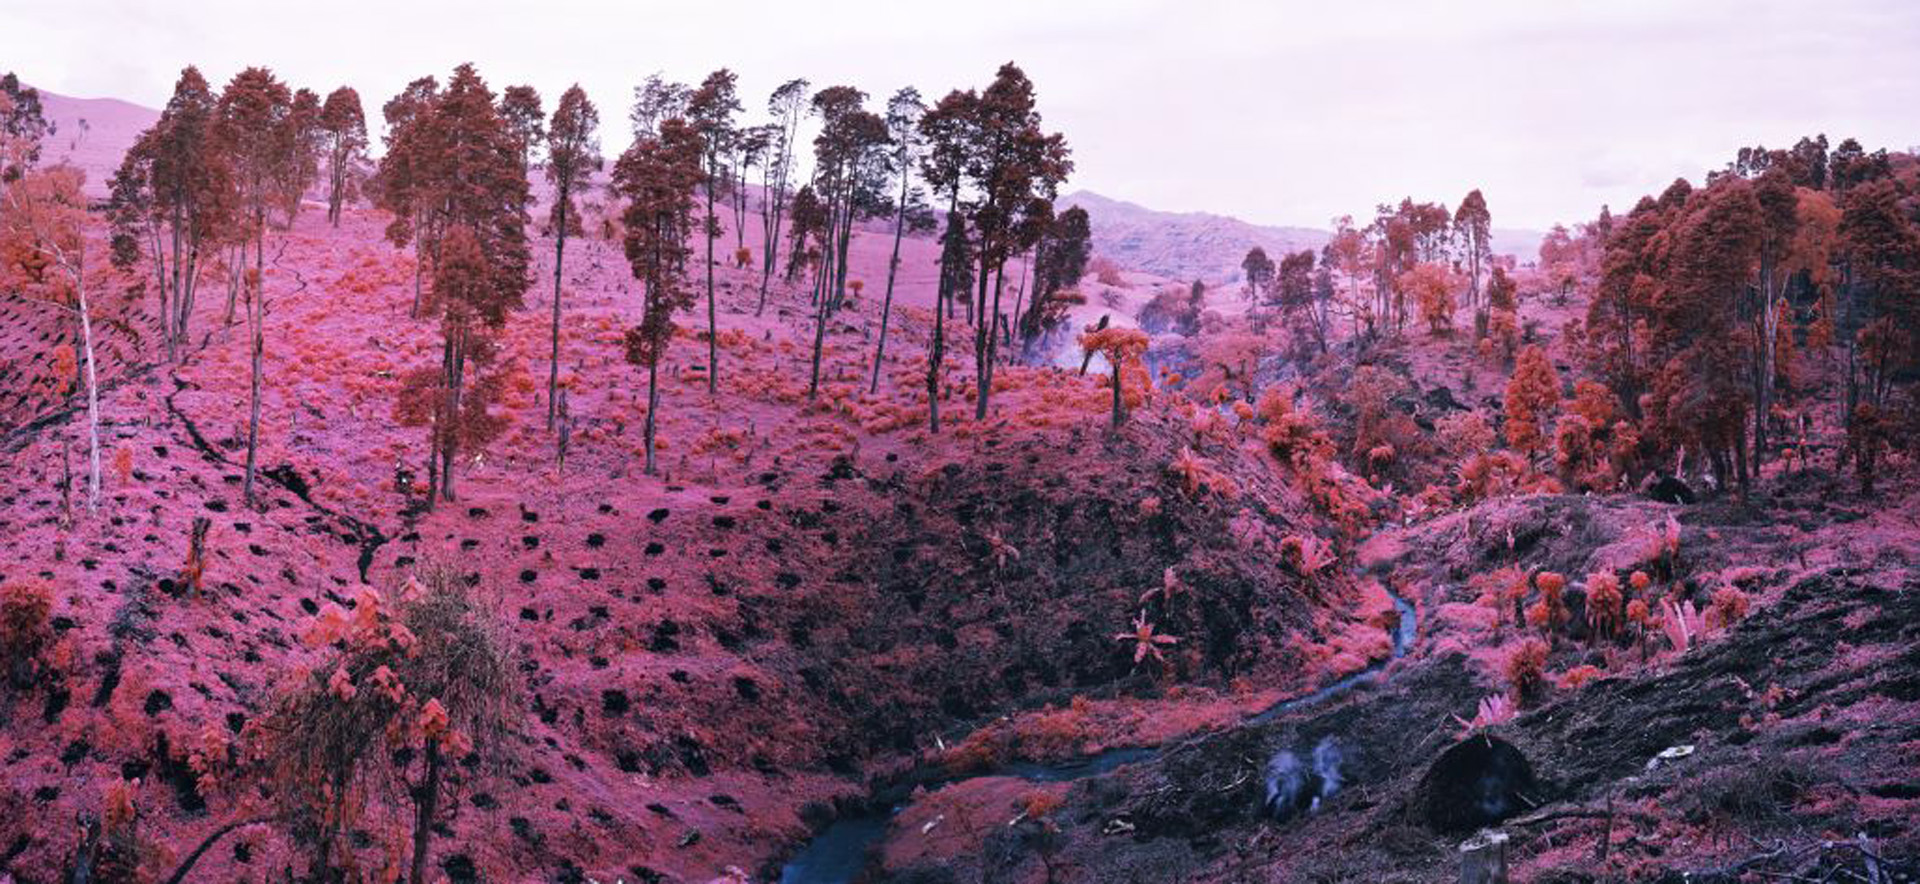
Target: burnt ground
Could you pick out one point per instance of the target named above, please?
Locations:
(1797, 735)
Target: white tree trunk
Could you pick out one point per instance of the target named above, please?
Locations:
(93, 394)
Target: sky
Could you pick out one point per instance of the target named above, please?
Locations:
(1275, 112)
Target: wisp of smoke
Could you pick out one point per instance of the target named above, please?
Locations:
(1294, 786)
(1326, 763)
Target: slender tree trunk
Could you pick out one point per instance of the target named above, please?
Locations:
(256, 309)
(823, 306)
(559, 256)
(456, 392)
(989, 344)
(740, 209)
(893, 269)
(160, 282)
(713, 320)
(236, 275)
(93, 386)
(1017, 321)
(1119, 405)
(771, 246)
(426, 803)
(653, 407)
(655, 274)
(981, 331)
(184, 297)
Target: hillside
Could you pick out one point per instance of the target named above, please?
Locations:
(1209, 247)
(93, 133)
(785, 579)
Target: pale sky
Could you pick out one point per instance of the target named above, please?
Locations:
(1280, 113)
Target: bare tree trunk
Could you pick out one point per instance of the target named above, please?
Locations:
(991, 343)
(713, 320)
(235, 277)
(456, 390)
(893, 268)
(93, 389)
(653, 406)
(559, 255)
(256, 311)
(186, 865)
(426, 803)
(419, 261)
(824, 302)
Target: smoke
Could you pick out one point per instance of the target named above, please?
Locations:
(1326, 763)
(1295, 786)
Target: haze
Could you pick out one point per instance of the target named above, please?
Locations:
(1276, 113)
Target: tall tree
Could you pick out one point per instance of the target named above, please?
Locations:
(657, 177)
(453, 399)
(43, 256)
(520, 107)
(479, 188)
(23, 124)
(1880, 246)
(1473, 232)
(301, 143)
(749, 152)
(711, 109)
(1779, 225)
(956, 279)
(1015, 169)
(850, 162)
(1059, 261)
(789, 106)
(948, 130)
(904, 111)
(189, 190)
(656, 101)
(1259, 270)
(573, 155)
(1294, 292)
(255, 125)
(1699, 397)
(345, 125)
(407, 180)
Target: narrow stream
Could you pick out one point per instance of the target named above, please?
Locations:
(839, 852)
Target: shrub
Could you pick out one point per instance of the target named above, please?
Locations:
(1432, 288)
(1526, 669)
(1603, 603)
(1752, 790)
(1729, 606)
(1532, 394)
(1573, 678)
(25, 631)
(420, 678)
(1464, 433)
(1550, 613)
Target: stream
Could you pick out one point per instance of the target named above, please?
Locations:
(839, 852)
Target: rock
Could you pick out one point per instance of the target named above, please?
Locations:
(1477, 782)
(1671, 489)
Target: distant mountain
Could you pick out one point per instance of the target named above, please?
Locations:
(1182, 245)
(1201, 245)
(92, 133)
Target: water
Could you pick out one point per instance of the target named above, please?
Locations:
(839, 852)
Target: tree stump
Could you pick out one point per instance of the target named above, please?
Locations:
(1483, 859)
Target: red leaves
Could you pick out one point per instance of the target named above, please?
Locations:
(1532, 394)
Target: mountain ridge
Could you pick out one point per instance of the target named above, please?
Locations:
(1210, 246)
